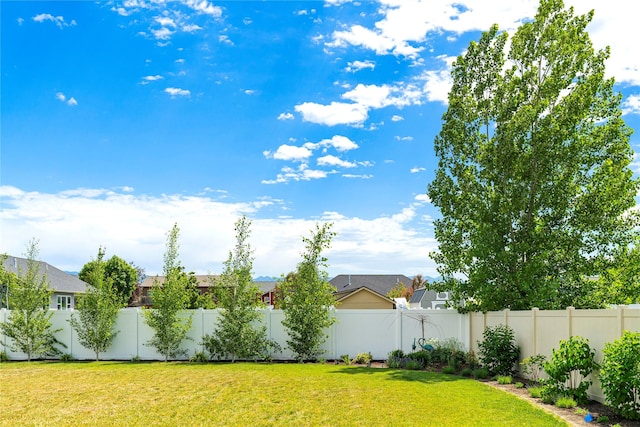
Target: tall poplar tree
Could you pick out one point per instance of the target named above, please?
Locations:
(533, 178)
(97, 310)
(29, 321)
(237, 333)
(170, 298)
(306, 297)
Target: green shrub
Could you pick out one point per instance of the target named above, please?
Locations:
(449, 369)
(363, 358)
(531, 367)
(535, 392)
(565, 402)
(466, 372)
(135, 359)
(498, 351)
(4, 357)
(518, 384)
(581, 411)
(472, 360)
(345, 359)
(505, 379)
(424, 356)
(568, 369)
(411, 364)
(602, 419)
(620, 375)
(480, 373)
(66, 357)
(396, 353)
(199, 357)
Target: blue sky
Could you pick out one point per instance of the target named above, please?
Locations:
(120, 119)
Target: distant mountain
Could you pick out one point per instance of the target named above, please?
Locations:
(73, 273)
(266, 279)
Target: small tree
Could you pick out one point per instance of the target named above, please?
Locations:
(170, 298)
(235, 335)
(97, 310)
(498, 350)
(306, 297)
(29, 321)
(568, 369)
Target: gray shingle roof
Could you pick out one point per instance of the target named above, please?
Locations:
(58, 280)
(380, 283)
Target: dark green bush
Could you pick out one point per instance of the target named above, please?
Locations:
(466, 372)
(498, 350)
(480, 373)
(449, 369)
(620, 375)
(363, 358)
(424, 356)
(568, 369)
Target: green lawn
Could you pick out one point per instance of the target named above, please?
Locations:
(244, 394)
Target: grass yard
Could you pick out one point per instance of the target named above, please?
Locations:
(244, 394)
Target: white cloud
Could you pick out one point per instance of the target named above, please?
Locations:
(404, 138)
(416, 170)
(250, 92)
(423, 198)
(71, 226)
(165, 21)
(163, 33)
(58, 20)
(396, 118)
(204, 7)
(147, 79)
(225, 39)
(339, 142)
(354, 66)
(631, 105)
(20, 21)
(285, 116)
(353, 176)
(174, 91)
(63, 98)
(191, 28)
(336, 113)
(331, 160)
(289, 152)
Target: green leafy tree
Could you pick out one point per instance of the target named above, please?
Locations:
(29, 321)
(236, 334)
(307, 296)
(533, 179)
(122, 276)
(170, 297)
(97, 310)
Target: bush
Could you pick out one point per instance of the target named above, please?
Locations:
(568, 368)
(505, 379)
(535, 392)
(565, 402)
(620, 375)
(531, 367)
(199, 357)
(449, 369)
(519, 384)
(345, 359)
(4, 357)
(66, 357)
(466, 372)
(363, 358)
(424, 356)
(413, 365)
(602, 419)
(498, 351)
(480, 373)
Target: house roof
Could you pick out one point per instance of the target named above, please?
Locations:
(379, 283)
(342, 295)
(204, 280)
(417, 296)
(58, 280)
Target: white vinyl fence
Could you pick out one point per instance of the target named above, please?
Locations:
(355, 331)
(377, 331)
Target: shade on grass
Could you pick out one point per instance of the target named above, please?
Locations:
(117, 393)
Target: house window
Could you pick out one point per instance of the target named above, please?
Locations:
(64, 302)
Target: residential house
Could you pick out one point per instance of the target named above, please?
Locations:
(142, 295)
(366, 291)
(65, 286)
(267, 292)
(424, 298)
